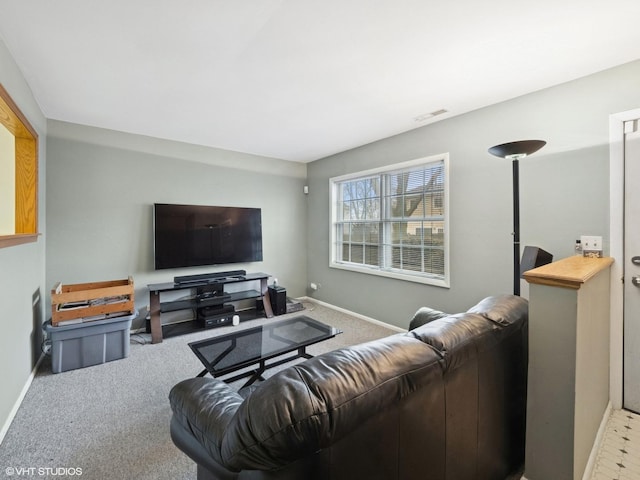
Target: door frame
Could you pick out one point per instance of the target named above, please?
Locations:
(616, 250)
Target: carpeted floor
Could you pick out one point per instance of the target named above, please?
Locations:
(112, 420)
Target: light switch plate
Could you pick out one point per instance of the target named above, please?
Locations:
(591, 243)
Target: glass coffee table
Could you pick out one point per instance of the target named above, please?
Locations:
(229, 353)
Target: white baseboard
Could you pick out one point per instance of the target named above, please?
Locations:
(353, 314)
(16, 406)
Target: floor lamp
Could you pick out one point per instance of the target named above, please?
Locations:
(514, 151)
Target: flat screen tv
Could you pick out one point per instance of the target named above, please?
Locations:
(196, 235)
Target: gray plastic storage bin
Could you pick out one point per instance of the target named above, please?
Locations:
(84, 344)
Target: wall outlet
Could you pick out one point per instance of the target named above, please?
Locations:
(590, 242)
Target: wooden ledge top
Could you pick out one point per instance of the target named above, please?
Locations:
(570, 272)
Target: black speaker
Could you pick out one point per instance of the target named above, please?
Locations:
(278, 297)
(533, 257)
(206, 277)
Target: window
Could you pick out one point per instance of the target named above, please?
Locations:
(18, 175)
(393, 221)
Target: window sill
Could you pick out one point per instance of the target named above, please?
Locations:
(426, 280)
(12, 240)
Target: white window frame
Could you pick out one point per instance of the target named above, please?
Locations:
(419, 277)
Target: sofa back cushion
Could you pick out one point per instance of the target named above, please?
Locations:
(313, 404)
(503, 309)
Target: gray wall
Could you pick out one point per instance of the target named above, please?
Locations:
(564, 192)
(101, 186)
(21, 267)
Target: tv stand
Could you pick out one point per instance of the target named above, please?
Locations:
(204, 282)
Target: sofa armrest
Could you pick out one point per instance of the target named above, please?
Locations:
(425, 315)
(204, 407)
(186, 442)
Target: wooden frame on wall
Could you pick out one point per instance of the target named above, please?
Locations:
(26, 172)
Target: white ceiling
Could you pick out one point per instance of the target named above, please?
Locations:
(302, 79)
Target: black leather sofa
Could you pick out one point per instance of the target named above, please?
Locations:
(446, 400)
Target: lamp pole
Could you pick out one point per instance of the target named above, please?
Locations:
(516, 225)
(514, 151)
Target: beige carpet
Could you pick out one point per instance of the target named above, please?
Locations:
(112, 420)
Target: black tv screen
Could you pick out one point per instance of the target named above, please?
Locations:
(196, 235)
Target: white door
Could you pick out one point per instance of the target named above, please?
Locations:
(631, 357)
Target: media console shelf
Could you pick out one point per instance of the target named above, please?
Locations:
(213, 283)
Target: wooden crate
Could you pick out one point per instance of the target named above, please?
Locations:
(87, 300)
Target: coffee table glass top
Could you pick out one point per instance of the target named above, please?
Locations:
(228, 353)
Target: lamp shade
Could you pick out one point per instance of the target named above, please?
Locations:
(518, 149)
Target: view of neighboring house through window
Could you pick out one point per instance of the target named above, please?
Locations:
(393, 221)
